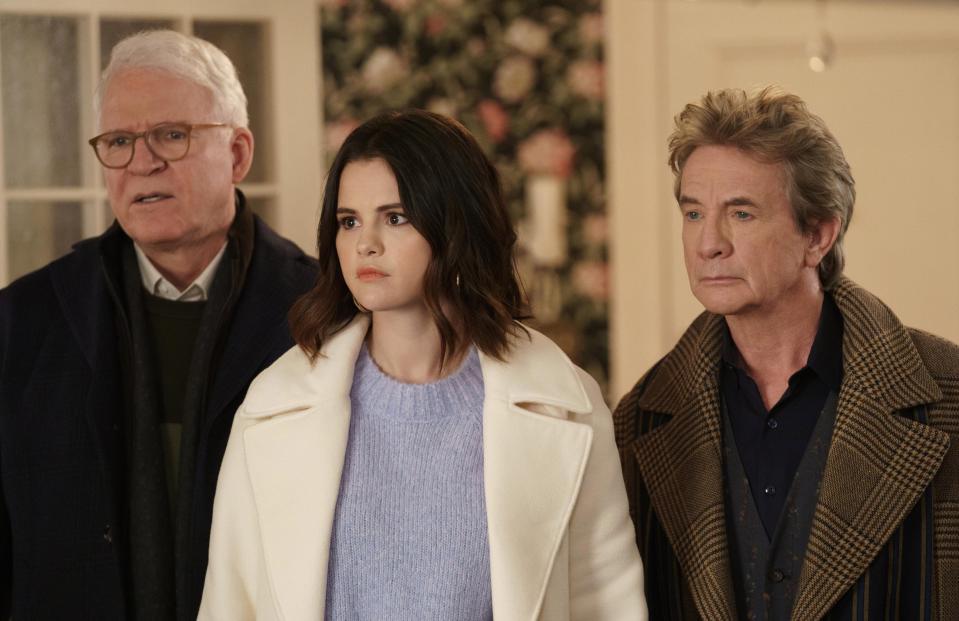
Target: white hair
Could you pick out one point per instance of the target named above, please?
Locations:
(190, 58)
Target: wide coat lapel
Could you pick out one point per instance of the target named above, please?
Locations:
(878, 466)
(534, 461)
(295, 458)
(681, 464)
(82, 293)
(879, 463)
(259, 328)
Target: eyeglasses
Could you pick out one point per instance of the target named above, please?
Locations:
(169, 142)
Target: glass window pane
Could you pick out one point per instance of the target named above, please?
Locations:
(246, 45)
(39, 61)
(112, 31)
(39, 232)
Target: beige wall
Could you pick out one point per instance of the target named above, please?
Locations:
(891, 98)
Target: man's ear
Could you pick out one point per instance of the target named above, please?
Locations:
(241, 146)
(821, 237)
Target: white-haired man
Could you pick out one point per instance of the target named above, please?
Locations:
(124, 361)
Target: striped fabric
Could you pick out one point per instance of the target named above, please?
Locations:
(884, 542)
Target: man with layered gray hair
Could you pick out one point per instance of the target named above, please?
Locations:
(795, 455)
(122, 363)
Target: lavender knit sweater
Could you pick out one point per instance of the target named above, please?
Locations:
(409, 537)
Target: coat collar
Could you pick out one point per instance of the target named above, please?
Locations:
(537, 372)
(83, 282)
(885, 459)
(298, 422)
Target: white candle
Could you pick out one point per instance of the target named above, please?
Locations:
(546, 215)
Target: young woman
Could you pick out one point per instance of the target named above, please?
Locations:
(420, 454)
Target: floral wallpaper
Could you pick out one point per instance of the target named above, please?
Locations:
(526, 77)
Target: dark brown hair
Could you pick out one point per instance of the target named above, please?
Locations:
(776, 127)
(451, 194)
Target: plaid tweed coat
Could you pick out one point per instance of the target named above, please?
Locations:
(890, 486)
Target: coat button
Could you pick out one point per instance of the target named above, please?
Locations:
(108, 534)
(778, 575)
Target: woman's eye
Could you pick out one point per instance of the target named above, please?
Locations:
(396, 219)
(347, 222)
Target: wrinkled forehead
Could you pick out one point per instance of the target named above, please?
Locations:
(731, 169)
(140, 97)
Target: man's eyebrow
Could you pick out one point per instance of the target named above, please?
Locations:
(740, 201)
(736, 201)
(151, 127)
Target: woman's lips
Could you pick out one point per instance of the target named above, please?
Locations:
(367, 274)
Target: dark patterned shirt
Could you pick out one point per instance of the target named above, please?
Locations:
(771, 442)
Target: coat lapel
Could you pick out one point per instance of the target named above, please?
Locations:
(82, 292)
(295, 458)
(879, 463)
(259, 329)
(534, 461)
(682, 466)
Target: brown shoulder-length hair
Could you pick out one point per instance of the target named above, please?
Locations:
(451, 194)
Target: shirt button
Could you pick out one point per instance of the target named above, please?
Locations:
(778, 575)
(770, 490)
(772, 423)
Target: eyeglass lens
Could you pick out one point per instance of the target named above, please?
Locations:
(167, 142)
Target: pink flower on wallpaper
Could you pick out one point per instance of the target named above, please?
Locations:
(591, 29)
(400, 6)
(591, 279)
(528, 37)
(585, 78)
(514, 78)
(595, 229)
(336, 133)
(548, 151)
(435, 24)
(382, 69)
(494, 118)
(476, 46)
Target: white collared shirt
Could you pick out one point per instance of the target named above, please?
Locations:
(156, 284)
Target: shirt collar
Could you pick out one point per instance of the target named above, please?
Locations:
(154, 282)
(825, 356)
